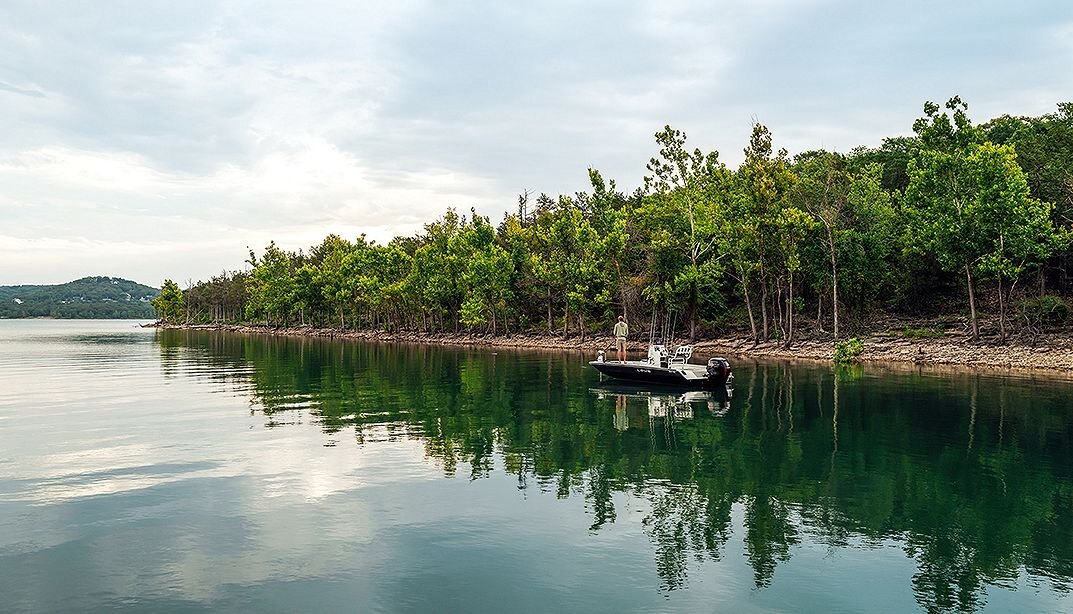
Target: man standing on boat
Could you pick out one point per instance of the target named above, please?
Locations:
(620, 332)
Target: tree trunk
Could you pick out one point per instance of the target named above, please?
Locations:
(972, 305)
(834, 280)
(777, 307)
(819, 312)
(749, 308)
(550, 326)
(763, 308)
(692, 312)
(790, 311)
(1001, 312)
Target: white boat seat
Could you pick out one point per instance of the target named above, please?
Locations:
(682, 354)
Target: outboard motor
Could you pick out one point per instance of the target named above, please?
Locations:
(718, 371)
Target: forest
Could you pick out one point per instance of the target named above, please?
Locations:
(88, 297)
(960, 227)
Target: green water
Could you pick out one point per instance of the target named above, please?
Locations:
(144, 470)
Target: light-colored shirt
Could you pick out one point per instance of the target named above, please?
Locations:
(621, 330)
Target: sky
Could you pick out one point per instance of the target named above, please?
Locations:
(152, 140)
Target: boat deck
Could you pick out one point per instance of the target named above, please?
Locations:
(680, 373)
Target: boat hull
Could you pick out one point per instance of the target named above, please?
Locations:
(693, 376)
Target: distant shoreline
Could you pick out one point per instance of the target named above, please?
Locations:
(1053, 353)
(129, 319)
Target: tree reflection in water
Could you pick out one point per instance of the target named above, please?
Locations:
(971, 475)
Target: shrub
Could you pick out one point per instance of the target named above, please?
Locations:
(922, 333)
(1046, 309)
(847, 351)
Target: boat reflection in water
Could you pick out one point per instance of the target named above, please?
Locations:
(661, 402)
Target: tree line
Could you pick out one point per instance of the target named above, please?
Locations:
(970, 222)
(88, 297)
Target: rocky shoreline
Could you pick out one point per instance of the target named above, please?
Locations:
(1052, 353)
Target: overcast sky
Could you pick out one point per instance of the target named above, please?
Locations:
(159, 139)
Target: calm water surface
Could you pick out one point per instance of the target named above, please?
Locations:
(171, 471)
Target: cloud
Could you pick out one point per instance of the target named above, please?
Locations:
(31, 92)
(155, 223)
(192, 125)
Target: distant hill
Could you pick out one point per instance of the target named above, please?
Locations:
(89, 297)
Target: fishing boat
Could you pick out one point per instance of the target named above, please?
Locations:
(668, 368)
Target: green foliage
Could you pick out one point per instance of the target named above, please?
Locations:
(684, 215)
(892, 157)
(848, 351)
(902, 228)
(922, 333)
(220, 299)
(273, 290)
(89, 297)
(1047, 309)
(970, 204)
(170, 305)
(764, 234)
(1044, 147)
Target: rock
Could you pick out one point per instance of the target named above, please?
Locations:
(1052, 353)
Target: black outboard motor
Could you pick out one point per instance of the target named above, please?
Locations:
(718, 371)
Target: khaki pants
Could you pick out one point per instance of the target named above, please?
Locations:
(620, 344)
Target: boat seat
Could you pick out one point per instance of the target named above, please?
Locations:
(682, 354)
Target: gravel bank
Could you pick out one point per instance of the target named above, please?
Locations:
(1053, 352)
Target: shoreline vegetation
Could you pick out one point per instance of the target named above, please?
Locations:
(950, 246)
(1050, 353)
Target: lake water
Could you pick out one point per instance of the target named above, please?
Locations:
(181, 471)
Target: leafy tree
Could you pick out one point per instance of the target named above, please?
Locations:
(609, 214)
(540, 261)
(487, 273)
(1044, 147)
(893, 158)
(330, 274)
(855, 220)
(438, 267)
(683, 212)
(275, 286)
(767, 235)
(971, 205)
(222, 297)
(169, 304)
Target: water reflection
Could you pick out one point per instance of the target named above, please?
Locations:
(665, 403)
(970, 476)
